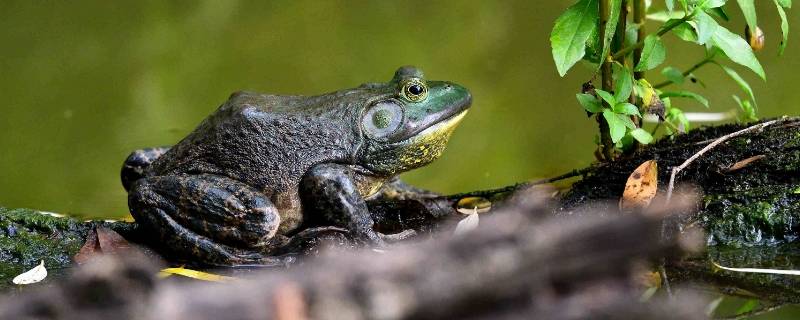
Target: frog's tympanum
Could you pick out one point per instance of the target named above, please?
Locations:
(261, 165)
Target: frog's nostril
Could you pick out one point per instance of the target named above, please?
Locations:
(428, 110)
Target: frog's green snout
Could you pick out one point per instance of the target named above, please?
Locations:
(449, 100)
(465, 100)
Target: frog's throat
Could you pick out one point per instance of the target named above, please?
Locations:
(443, 129)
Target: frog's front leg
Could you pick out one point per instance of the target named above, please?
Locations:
(209, 218)
(331, 191)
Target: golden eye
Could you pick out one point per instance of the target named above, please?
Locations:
(414, 90)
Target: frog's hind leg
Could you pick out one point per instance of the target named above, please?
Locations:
(136, 163)
(206, 218)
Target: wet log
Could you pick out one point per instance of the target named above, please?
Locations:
(515, 264)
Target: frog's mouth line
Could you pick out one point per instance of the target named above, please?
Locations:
(443, 128)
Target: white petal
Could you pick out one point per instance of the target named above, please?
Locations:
(467, 224)
(38, 273)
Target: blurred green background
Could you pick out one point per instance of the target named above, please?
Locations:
(86, 82)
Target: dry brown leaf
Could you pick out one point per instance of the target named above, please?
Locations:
(100, 241)
(641, 187)
(744, 163)
(111, 242)
(90, 249)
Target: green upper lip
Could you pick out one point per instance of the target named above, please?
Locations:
(455, 109)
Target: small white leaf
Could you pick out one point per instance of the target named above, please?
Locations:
(756, 270)
(467, 224)
(38, 273)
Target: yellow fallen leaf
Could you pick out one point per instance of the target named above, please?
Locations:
(469, 205)
(38, 273)
(194, 274)
(641, 187)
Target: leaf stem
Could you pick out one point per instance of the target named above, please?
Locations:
(666, 28)
(687, 72)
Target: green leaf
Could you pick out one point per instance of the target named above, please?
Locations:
(627, 109)
(737, 50)
(623, 82)
(611, 28)
(673, 75)
(653, 53)
(670, 5)
(749, 11)
(589, 102)
(642, 136)
(686, 32)
(626, 120)
(569, 35)
(676, 117)
(685, 94)
(705, 26)
(709, 4)
(784, 26)
(606, 96)
(664, 16)
(785, 3)
(615, 125)
(748, 111)
(748, 306)
(719, 12)
(740, 81)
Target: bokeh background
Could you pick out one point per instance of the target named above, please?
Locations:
(85, 82)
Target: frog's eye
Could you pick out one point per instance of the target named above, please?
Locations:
(414, 90)
(382, 119)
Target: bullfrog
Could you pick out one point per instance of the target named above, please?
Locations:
(262, 166)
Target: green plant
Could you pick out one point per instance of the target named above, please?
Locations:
(611, 36)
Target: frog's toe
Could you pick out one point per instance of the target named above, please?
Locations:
(137, 162)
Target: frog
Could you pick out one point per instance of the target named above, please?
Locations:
(262, 167)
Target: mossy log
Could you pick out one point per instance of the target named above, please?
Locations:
(513, 265)
(754, 209)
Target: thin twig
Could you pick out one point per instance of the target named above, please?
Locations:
(710, 146)
(490, 192)
(687, 72)
(662, 271)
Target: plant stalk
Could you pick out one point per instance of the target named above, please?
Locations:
(607, 83)
(639, 7)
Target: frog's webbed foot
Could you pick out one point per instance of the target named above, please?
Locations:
(136, 163)
(329, 190)
(206, 218)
